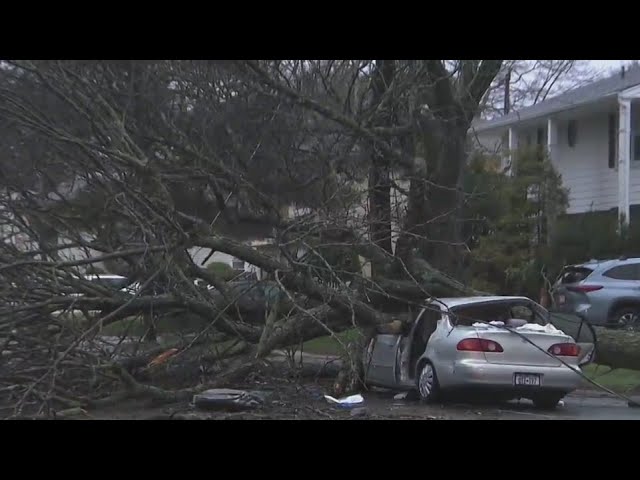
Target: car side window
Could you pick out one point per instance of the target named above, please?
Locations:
(624, 272)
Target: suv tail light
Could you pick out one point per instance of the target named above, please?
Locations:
(564, 350)
(479, 345)
(584, 288)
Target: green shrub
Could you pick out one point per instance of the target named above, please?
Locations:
(513, 237)
(223, 270)
(593, 235)
(507, 220)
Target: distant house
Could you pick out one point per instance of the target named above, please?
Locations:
(592, 134)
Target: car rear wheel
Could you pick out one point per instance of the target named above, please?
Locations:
(428, 386)
(547, 402)
(627, 318)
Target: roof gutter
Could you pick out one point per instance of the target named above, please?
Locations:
(522, 117)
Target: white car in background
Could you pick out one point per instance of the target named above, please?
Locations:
(115, 282)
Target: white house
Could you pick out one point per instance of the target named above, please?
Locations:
(593, 137)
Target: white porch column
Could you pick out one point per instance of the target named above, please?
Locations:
(552, 137)
(513, 146)
(624, 160)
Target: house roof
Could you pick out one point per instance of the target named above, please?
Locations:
(586, 94)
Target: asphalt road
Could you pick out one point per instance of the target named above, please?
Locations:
(584, 405)
(580, 405)
(382, 406)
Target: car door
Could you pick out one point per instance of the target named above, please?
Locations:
(381, 360)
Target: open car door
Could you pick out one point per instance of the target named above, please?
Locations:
(381, 360)
(581, 331)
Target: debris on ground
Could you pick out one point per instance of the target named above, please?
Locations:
(346, 402)
(227, 399)
(360, 412)
(401, 396)
(71, 412)
(163, 357)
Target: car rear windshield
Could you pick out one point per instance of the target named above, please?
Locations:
(574, 274)
(500, 311)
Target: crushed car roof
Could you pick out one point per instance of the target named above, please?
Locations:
(456, 301)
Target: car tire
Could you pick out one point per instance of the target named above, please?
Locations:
(547, 402)
(428, 386)
(626, 318)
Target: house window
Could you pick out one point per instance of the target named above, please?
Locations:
(541, 143)
(636, 146)
(613, 139)
(237, 264)
(572, 132)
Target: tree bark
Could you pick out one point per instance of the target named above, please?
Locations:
(380, 169)
(444, 199)
(618, 348)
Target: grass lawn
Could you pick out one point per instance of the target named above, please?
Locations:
(330, 345)
(620, 380)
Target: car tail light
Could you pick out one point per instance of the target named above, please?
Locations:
(479, 345)
(564, 350)
(584, 288)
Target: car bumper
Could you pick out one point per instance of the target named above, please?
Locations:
(474, 373)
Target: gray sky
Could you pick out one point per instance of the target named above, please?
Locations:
(608, 64)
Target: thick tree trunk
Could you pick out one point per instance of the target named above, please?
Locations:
(380, 169)
(444, 200)
(350, 378)
(414, 224)
(380, 203)
(618, 349)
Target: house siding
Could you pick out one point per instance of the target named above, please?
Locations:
(634, 181)
(197, 254)
(584, 168)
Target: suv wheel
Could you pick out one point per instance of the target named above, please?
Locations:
(626, 318)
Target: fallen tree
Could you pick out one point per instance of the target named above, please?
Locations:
(168, 160)
(617, 348)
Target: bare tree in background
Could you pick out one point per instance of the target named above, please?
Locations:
(138, 163)
(533, 81)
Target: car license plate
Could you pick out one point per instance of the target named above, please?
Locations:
(562, 299)
(527, 380)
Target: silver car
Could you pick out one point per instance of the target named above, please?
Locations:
(604, 292)
(461, 345)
